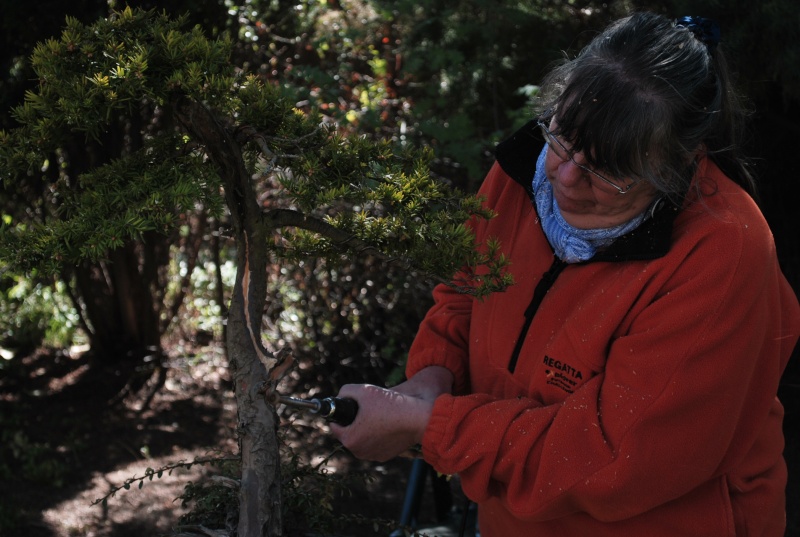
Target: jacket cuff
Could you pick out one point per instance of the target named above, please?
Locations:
(438, 357)
(436, 429)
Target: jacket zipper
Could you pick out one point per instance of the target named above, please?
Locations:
(544, 285)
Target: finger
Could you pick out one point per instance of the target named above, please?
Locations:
(355, 391)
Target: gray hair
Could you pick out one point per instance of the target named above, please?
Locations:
(642, 98)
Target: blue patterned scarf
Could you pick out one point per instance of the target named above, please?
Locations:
(571, 244)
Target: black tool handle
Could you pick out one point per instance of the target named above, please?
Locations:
(338, 410)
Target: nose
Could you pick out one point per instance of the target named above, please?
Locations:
(570, 174)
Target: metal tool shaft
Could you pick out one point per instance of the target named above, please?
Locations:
(308, 404)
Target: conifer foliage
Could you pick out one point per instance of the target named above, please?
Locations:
(139, 124)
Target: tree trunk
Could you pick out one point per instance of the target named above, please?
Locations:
(118, 307)
(260, 493)
(251, 364)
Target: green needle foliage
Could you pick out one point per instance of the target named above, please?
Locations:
(138, 126)
(134, 73)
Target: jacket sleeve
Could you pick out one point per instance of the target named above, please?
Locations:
(683, 397)
(443, 335)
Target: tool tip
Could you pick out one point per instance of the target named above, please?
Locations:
(272, 397)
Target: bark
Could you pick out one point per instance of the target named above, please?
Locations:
(259, 493)
(117, 307)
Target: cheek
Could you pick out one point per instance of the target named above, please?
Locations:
(550, 164)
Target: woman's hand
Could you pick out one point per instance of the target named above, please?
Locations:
(389, 422)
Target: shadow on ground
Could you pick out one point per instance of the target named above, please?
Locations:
(67, 433)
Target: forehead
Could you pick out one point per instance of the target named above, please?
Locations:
(606, 136)
(556, 136)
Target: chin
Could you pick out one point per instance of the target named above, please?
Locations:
(573, 208)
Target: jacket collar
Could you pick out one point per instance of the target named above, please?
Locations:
(517, 157)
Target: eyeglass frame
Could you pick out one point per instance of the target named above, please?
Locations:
(550, 138)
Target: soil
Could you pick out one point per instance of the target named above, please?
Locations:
(68, 441)
(71, 437)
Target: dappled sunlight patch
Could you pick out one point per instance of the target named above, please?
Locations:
(152, 509)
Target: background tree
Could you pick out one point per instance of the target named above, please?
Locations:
(206, 140)
(123, 308)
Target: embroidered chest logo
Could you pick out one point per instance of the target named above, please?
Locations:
(561, 374)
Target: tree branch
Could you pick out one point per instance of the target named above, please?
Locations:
(278, 218)
(226, 153)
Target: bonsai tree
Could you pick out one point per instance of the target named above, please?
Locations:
(139, 125)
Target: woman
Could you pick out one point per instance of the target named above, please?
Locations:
(626, 385)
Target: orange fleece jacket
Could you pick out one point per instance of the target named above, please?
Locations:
(644, 399)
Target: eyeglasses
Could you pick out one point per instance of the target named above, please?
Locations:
(621, 186)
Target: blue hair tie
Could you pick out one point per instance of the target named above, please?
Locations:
(706, 30)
